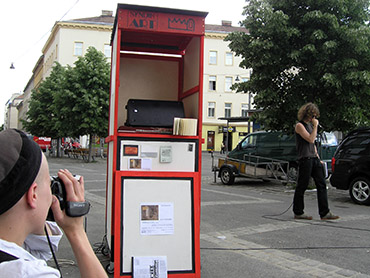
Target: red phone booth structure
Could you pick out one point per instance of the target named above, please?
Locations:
(154, 165)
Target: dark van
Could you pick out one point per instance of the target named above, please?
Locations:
(277, 145)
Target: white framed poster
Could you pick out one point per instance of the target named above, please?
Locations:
(156, 216)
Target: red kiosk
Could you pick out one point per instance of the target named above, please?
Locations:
(154, 172)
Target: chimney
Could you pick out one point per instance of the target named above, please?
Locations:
(106, 13)
(226, 23)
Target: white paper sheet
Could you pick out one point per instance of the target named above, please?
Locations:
(156, 219)
(145, 267)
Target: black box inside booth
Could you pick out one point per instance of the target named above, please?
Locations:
(153, 113)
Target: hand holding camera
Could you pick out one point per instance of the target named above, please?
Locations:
(69, 190)
(73, 227)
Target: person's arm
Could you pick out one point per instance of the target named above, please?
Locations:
(38, 245)
(310, 138)
(88, 263)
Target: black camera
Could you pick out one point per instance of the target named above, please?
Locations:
(72, 209)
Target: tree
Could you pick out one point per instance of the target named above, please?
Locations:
(41, 120)
(307, 51)
(84, 102)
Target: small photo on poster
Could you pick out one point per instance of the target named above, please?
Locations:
(149, 212)
(130, 150)
(134, 163)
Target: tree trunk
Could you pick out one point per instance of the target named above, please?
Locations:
(59, 147)
(90, 147)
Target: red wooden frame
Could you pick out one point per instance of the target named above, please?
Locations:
(160, 31)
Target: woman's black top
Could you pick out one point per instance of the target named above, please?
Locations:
(304, 148)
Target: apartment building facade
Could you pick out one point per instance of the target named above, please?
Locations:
(221, 71)
(68, 41)
(11, 111)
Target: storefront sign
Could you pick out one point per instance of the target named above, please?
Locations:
(226, 129)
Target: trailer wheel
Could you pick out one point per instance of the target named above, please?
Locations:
(293, 172)
(227, 176)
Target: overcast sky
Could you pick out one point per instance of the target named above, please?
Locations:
(26, 25)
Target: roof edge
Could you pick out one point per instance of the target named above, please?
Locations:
(161, 10)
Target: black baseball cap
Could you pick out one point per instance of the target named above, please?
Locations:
(20, 161)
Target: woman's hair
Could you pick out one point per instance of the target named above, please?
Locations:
(308, 110)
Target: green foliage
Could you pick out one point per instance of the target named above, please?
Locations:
(307, 51)
(72, 101)
(41, 120)
(84, 104)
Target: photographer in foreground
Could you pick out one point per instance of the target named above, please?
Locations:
(309, 164)
(25, 199)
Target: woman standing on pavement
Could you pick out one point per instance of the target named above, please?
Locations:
(309, 164)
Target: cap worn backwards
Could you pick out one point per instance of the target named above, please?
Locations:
(20, 161)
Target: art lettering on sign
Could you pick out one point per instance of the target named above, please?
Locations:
(142, 20)
(150, 21)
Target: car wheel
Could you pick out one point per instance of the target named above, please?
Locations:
(359, 191)
(227, 176)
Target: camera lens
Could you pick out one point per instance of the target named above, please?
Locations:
(57, 189)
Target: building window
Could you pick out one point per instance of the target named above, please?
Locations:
(212, 83)
(244, 110)
(78, 49)
(107, 50)
(229, 59)
(213, 57)
(228, 83)
(211, 109)
(227, 110)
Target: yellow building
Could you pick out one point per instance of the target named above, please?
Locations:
(221, 71)
(70, 39)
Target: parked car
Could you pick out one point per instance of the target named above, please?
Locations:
(273, 145)
(351, 166)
